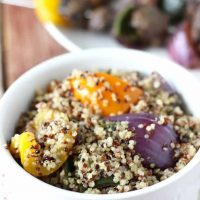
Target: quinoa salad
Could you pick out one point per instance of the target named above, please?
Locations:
(105, 132)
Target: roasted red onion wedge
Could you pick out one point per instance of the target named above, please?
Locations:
(154, 139)
(164, 85)
(181, 48)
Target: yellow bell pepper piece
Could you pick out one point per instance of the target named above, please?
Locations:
(31, 155)
(48, 115)
(116, 99)
(30, 152)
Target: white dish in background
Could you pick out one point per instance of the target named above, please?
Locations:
(18, 97)
(75, 40)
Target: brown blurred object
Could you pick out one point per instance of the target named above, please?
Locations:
(193, 15)
(144, 18)
(1, 53)
(192, 6)
(25, 42)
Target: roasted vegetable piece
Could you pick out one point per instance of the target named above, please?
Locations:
(105, 182)
(32, 149)
(164, 85)
(106, 93)
(181, 47)
(47, 115)
(69, 165)
(154, 138)
(137, 26)
(152, 31)
(122, 29)
(32, 154)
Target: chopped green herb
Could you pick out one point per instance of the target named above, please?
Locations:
(105, 182)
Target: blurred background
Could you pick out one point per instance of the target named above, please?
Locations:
(24, 41)
(32, 31)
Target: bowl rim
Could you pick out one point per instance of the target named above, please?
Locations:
(44, 66)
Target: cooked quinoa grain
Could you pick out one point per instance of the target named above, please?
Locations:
(101, 155)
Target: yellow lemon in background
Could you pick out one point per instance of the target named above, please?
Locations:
(48, 11)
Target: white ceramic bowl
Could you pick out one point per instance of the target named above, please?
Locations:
(17, 99)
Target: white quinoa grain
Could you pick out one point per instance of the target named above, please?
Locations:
(141, 126)
(105, 103)
(109, 141)
(131, 144)
(146, 136)
(156, 84)
(114, 97)
(123, 182)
